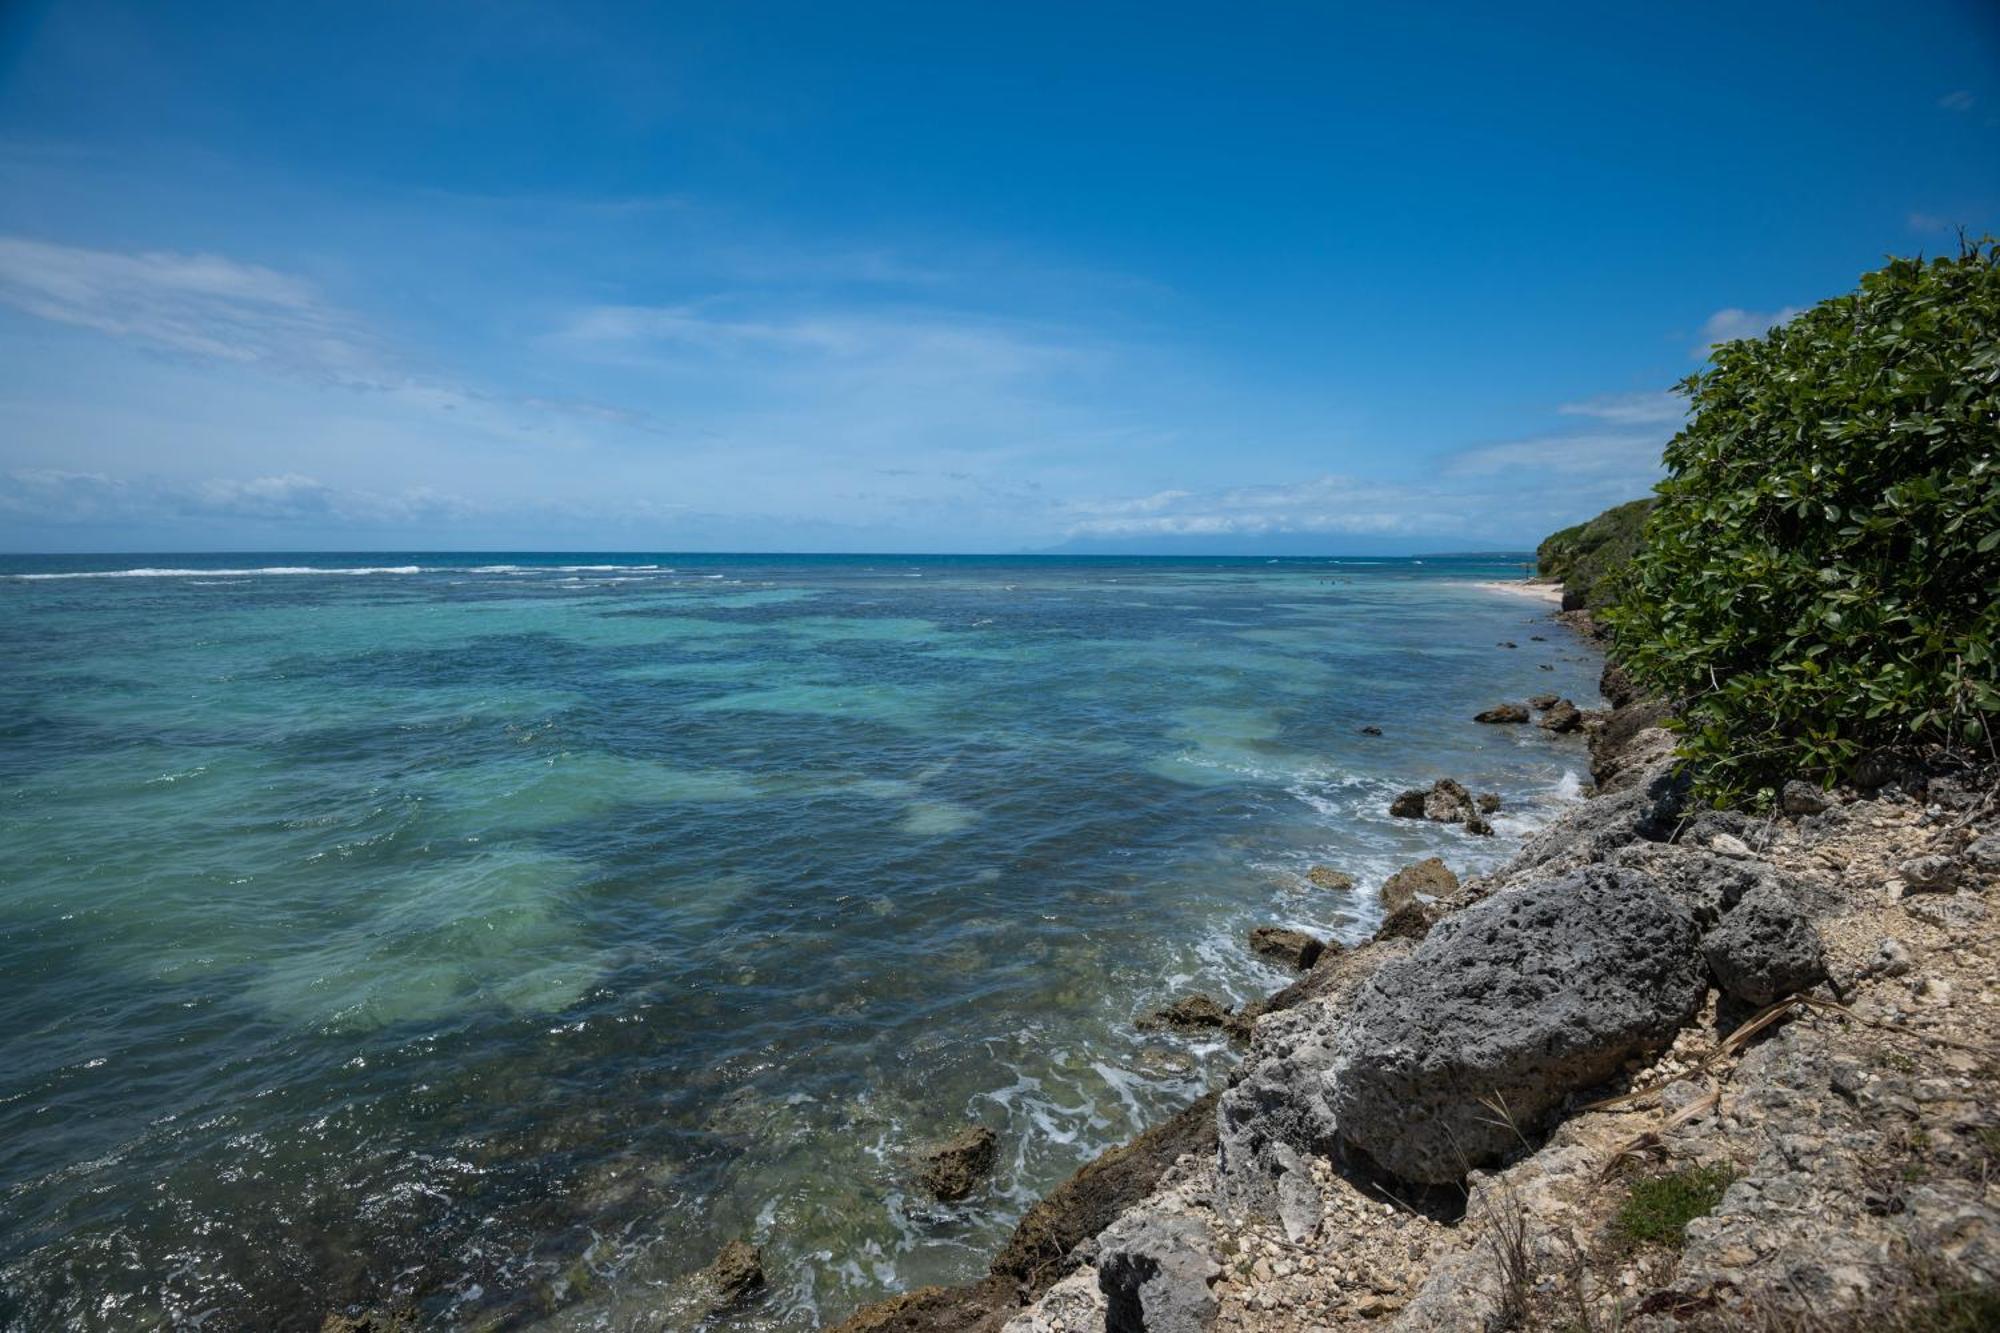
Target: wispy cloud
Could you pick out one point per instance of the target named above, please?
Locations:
(1325, 504)
(1632, 455)
(1958, 100)
(1732, 323)
(212, 308)
(1629, 409)
(1510, 491)
(196, 305)
(845, 339)
(51, 496)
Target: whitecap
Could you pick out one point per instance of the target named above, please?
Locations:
(148, 572)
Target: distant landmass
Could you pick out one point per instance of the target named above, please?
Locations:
(1325, 544)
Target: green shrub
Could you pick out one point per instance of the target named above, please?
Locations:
(1590, 557)
(1820, 579)
(1660, 1207)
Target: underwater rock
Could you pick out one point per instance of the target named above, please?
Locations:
(951, 1169)
(736, 1272)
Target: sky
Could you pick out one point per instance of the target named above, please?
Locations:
(1312, 279)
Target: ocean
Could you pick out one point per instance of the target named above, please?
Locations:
(495, 936)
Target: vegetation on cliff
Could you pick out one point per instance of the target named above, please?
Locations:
(1589, 557)
(1820, 579)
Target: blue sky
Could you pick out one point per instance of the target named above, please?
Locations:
(1336, 278)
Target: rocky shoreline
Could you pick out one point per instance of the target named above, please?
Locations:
(1667, 1068)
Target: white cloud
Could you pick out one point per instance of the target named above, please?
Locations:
(1327, 504)
(912, 342)
(197, 305)
(50, 496)
(1959, 100)
(1731, 323)
(1629, 409)
(1512, 491)
(217, 309)
(1634, 455)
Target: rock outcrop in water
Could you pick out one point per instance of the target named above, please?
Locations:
(1196, 1013)
(952, 1169)
(1429, 877)
(1446, 801)
(1326, 877)
(1285, 946)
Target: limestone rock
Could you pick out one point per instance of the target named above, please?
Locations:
(1616, 686)
(1631, 737)
(1929, 874)
(1706, 884)
(1542, 702)
(1194, 1013)
(1646, 810)
(1563, 717)
(1892, 959)
(1448, 802)
(1326, 877)
(1445, 802)
(1412, 921)
(1802, 798)
(1429, 876)
(1155, 1270)
(953, 1168)
(1282, 945)
(1765, 948)
(1947, 911)
(370, 1321)
(1502, 713)
(736, 1272)
(1515, 1001)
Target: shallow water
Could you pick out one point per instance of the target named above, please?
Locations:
(501, 934)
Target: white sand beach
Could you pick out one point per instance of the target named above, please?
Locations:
(1541, 592)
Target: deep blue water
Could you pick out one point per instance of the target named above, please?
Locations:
(496, 935)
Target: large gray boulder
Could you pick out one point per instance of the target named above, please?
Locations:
(1765, 947)
(1706, 883)
(1154, 1270)
(1448, 1057)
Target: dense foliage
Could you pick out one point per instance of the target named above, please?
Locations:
(1821, 577)
(1589, 557)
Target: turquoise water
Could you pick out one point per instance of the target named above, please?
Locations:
(498, 935)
